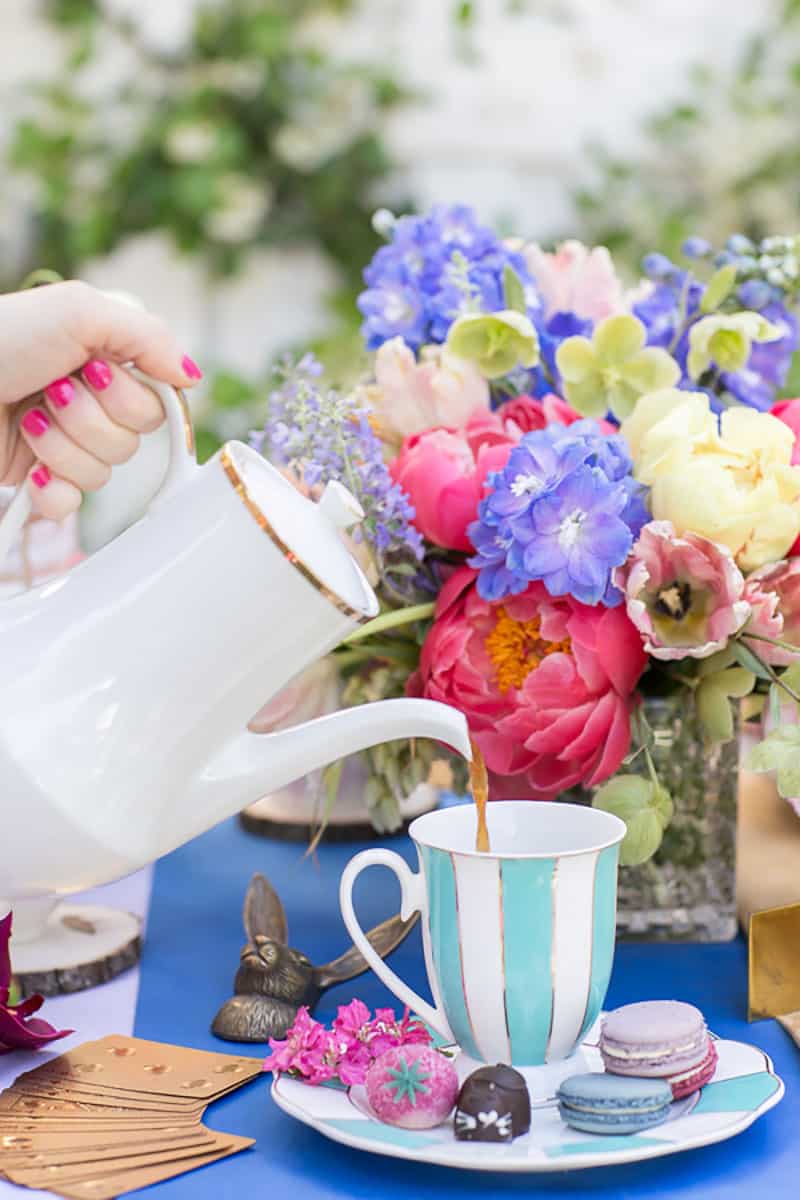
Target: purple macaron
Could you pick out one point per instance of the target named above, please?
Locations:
(656, 1038)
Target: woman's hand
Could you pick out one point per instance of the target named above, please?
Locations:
(68, 411)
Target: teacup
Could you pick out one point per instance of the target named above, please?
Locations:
(519, 942)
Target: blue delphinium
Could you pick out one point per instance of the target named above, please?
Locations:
(433, 269)
(565, 510)
(322, 434)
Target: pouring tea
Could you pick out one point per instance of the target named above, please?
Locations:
(128, 684)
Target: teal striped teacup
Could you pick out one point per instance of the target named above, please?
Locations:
(518, 942)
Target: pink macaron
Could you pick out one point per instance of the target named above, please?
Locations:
(412, 1086)
(658, 1039)
(686, 1082)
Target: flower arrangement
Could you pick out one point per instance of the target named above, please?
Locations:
(347, 1050)
(575, 494)
(19, 1028)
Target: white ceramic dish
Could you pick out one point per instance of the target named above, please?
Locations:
(744, 1087)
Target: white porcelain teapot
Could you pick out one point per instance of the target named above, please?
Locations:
(128, 684)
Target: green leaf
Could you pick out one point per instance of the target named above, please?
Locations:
(718, 288)
(513, 291)
(713, 703)
(749, 660)
(780, 752)
(645, 808)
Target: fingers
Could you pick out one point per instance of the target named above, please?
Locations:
(125, 401)
(110, 328)
(54, 449)
(52, 497)
(78, 413)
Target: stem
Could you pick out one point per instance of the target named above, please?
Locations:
(392, 620)
(759, 637)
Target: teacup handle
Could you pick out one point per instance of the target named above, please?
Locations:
(182, 461)
(413, 900)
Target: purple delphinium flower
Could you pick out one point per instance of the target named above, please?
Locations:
(322, 434)
(573, 538)
(435, 268)
(565, 509)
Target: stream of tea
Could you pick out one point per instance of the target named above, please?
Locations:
(479, 786)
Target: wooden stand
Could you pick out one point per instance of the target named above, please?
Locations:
(81, 946)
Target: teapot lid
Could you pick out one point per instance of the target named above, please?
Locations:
(307, 532)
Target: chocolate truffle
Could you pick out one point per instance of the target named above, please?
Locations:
(493, 1106)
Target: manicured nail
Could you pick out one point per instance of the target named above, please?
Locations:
(36, 422)
(61, 392)
(41, 476)
(190, 368)
(98, 374)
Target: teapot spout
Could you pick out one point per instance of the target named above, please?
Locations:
(255, 764)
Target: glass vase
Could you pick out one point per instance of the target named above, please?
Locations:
(687, 892)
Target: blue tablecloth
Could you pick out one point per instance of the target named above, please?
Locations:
(190, 957)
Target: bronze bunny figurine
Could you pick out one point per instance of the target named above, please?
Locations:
(274, 980)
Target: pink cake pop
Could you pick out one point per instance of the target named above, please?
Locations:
(412, 1086)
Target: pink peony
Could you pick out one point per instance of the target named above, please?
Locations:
(444, 472)
(781, 579)
(576, 279)
(19, 1028)
(523, 414)
(788, 411)
(546, 683)
(409, 396)
(684, 594)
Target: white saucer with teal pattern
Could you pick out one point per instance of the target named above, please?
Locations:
(744, 1087)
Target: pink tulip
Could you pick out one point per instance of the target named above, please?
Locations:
(546, 684)
(684, 594)
(782, 580)
(19, 1029)
(409, 396)
(576, 279)
(444, 472)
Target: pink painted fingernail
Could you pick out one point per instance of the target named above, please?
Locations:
(61, 392)
(98, 374)
(190, 368)
(36, 422)
(41, 476)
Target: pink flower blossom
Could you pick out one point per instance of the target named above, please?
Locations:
(309, 1050)
(444, 472)
(684, 594)
(545, 682)
(781, 579)
(409, 396)
(19, 1028)
(576, 279)
(788, 411)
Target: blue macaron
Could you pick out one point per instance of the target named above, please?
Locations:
(599, 1103)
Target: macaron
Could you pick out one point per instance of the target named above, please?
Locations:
(412, 1086)
(684, 1083)
(613, 1104)
(655, 1038)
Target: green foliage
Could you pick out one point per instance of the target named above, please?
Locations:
(713, 701)
(250, 135)
(780, 752)
(644, 806)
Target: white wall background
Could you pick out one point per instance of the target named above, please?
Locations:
(506, 133)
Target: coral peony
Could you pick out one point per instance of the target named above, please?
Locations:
(683, 594)
(546, 683)
(575, 279)
(409, 396)
(444, 471)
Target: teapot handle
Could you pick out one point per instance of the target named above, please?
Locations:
(182, 460)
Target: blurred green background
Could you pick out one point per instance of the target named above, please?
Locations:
(257, 126)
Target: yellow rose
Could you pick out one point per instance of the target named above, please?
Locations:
(734, 484)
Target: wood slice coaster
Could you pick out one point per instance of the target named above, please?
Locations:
(82, 946)
(300, 831)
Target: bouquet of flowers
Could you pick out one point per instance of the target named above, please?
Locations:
(574, 494)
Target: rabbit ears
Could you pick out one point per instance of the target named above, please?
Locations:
(263, 912)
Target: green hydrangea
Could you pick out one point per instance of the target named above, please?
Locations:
(645, 807)
(613, 368)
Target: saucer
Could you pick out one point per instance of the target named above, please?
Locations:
(744, 1087)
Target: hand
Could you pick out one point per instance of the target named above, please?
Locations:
(66, 341)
